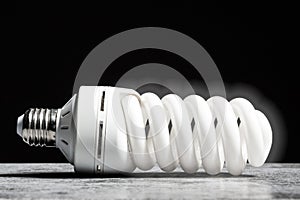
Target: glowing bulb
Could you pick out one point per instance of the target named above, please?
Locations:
(110, 130)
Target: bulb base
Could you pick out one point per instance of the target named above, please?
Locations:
(37, 127)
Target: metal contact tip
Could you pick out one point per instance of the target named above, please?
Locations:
(20, 125)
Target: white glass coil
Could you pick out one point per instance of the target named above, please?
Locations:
(194, 133)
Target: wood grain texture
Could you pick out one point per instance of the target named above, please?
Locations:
(58, 181)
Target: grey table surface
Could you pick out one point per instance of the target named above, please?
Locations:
(58, 181)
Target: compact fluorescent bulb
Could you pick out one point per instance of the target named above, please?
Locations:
(111, 130)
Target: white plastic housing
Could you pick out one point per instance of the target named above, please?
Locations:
(82, 136)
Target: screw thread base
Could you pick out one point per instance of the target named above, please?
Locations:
(39, 126)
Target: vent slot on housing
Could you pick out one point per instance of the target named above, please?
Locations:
(102, 101)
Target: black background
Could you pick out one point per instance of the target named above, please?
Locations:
(43, 47)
